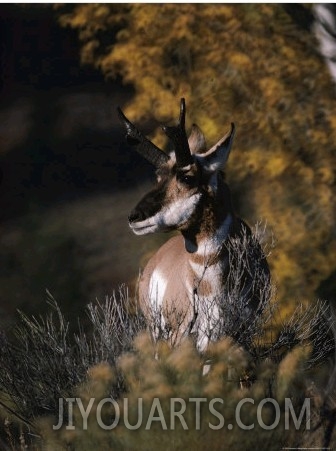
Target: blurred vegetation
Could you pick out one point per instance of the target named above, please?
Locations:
(251, 64)
(70, 249)
(177, 374)
(256, 66)
(117, 359)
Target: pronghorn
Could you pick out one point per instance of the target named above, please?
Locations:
(191, 270)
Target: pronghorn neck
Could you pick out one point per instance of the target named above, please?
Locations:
(208, 243)
(213, 226)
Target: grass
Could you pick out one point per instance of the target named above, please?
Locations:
(113, 354)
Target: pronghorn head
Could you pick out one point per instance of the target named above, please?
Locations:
(187, 179)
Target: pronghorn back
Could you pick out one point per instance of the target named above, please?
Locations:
(185, 283)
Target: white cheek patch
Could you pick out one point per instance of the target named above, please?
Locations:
(171, 215)
(180, 211)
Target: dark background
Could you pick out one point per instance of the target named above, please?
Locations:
(67, 179)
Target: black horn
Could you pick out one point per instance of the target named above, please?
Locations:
(177, 134)
(144, 146)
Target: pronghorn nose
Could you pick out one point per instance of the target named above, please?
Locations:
(148, 206)
(136, 215)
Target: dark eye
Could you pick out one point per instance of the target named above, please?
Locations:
(189, 180)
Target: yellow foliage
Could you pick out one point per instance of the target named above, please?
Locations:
(240, 59)
(288, 370)
(247, 63)
(99, 376)
(272, 90)
(183, 382)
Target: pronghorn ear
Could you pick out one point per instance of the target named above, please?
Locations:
(196, 140)
(216, 158)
